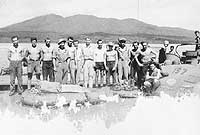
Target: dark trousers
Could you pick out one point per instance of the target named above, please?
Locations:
(110, 72)
(133, 69)
(141, 74)
(15, 71)
(48, 71)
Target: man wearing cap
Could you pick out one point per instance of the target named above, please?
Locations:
(111, 60)
(61, 57)
(71, 61)
(99, 58)
(133, 64)
(123, 56)
(34, 57)
(79, 62)
(48, 57)
(88, 65)
(15, 56)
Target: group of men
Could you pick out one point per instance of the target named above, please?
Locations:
(85, 65)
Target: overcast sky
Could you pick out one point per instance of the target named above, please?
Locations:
(174, 13)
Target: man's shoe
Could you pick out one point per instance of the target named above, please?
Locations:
(12, 92)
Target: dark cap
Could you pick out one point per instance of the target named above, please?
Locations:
(14, 38)
(33, 38)
(47, 39)
(135, 42)
(100, 40)
(70, 39)
(122, 40)
(196, 32)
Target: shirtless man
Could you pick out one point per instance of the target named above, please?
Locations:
(99, 58)
(88, 65)
(111, 60)
(48, 57)
(34, 57)
(72, 61)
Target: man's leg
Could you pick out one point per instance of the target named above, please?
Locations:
(140, 79)
(30, 74)
(64, 73)
(126, 70)
(120, 70)
(91, 74)
(96, 74)
(156, 84)
(101, 77)
(72, 71)
(44, 70)
(96, 77)
(19, 77)
(85, 73)
(58, 73)
(108, 73)
(12, 77)
(78, 72)
(51, 71)
(113, 73)
(37, 70)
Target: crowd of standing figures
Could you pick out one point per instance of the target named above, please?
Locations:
(136, 65)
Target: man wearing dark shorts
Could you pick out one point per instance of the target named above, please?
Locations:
(111, 63)
(33, 55)
(99, 57)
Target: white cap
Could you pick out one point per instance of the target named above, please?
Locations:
(166, 42)
(61, 40)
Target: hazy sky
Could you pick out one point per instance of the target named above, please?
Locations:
(175, 13)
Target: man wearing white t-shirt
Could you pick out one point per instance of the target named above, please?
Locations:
(99, 58)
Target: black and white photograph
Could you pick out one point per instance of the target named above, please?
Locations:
(99, 67)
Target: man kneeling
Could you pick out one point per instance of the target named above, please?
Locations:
(152, 81)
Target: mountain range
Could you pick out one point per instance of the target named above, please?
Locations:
(80, 26)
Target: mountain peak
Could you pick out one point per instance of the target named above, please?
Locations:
(85, 24)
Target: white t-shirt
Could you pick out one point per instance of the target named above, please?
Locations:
(99, 55)
(34, 53)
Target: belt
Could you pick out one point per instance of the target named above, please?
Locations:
(47, 60)
(89, 59)
(34, 60)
